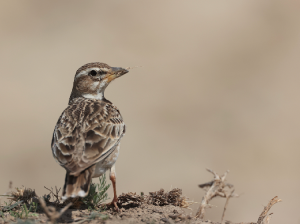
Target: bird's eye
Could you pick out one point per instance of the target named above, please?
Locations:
(93, 73)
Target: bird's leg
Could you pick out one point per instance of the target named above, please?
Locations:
(113, 181)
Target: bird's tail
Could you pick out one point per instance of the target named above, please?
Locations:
(78, 185)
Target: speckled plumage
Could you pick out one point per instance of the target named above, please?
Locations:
(86, 138)
(86, 133)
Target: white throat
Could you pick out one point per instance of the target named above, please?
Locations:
(98, 96)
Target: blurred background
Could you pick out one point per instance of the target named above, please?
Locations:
(218, 88)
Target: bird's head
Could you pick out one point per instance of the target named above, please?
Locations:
(91, 80)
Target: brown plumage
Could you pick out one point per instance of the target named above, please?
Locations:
(86, 138)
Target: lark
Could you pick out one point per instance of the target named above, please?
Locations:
(86, 138)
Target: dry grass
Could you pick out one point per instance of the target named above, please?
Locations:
(22, 194)
(161, 206)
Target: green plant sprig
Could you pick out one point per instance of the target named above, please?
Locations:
(97, 194)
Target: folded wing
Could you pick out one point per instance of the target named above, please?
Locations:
(86, 133)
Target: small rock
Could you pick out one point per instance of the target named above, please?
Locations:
(165, 220)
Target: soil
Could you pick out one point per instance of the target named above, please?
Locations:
(142, 214)
(157, 207)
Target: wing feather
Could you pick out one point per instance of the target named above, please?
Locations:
(85, 134)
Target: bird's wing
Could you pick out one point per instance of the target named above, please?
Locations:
(87, 132)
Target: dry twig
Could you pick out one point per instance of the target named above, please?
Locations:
(217, 187)
(54, 195)
(268, 218)
(261, 219)
(228, 196)
(51, 212)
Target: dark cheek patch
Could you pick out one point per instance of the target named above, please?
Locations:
(83, 85)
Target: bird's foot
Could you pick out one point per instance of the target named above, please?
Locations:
(114, 205)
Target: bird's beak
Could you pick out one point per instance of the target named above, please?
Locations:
(116, 73)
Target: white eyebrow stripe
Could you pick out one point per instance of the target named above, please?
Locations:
(104, 69)
(80, 74)
(86, 71)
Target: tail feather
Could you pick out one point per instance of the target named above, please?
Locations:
(78, 185)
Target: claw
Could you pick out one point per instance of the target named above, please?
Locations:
(113, 204)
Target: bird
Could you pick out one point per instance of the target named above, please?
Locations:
(87, 135)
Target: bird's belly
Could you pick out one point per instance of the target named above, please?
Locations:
(107, 163)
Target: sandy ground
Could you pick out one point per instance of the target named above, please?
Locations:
(144, 214)
(157, 207)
